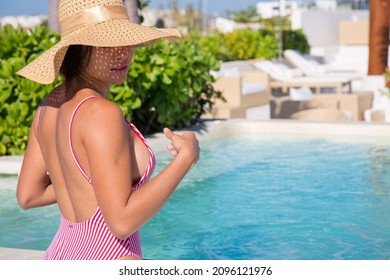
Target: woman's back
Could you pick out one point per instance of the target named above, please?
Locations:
(75, 196)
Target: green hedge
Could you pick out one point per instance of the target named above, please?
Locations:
(168, 85)
(295, 40)
(250, 44)
(19, 97)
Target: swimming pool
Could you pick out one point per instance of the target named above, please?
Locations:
(256, 196)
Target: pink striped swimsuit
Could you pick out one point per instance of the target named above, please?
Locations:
(91, 239)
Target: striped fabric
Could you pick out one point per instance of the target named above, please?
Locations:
(91, 239)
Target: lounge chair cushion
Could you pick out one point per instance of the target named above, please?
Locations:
(277, 71)
(241, 65)
(308, 66)
(299, 94)
(231, 72)
(252, 88)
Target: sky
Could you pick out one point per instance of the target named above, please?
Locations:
(40, 7)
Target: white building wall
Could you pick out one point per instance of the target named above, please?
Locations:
(322, 27)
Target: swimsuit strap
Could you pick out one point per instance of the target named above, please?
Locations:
(37, 119)
(38, 115)
(152, 159)
(70, 139)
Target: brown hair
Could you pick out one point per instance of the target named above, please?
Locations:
(75, 62)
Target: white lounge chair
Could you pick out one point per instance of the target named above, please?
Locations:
(285, 78)
(299, 88)
(312, 68)
(277, 71)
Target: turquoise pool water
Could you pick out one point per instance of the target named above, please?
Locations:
(254, 199)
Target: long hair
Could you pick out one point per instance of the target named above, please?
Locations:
(75, 62)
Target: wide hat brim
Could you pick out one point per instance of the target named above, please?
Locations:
(114, 33)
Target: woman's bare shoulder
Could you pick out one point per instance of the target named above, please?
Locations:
(103, 108)
(101, 115)
(103, 125)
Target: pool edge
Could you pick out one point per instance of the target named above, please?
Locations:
(20, 254)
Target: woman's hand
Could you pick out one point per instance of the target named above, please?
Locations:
(183, 143)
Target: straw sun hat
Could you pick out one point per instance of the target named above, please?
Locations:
(99, 23)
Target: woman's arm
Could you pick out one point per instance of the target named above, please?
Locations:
(34, 188)
(107, 143)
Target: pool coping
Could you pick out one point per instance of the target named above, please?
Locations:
(10, 165)
(208, 129)
(20, 254)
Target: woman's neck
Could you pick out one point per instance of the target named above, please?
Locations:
(85, 81)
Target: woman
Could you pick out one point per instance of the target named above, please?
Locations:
(81, 153)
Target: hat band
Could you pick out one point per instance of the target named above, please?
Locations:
(92, 16)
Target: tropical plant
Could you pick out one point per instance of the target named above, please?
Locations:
(214, 44)
(277, 23)
(247, 15)
(386, 90)
(250, 44)
(295, 40)
(20, 97)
